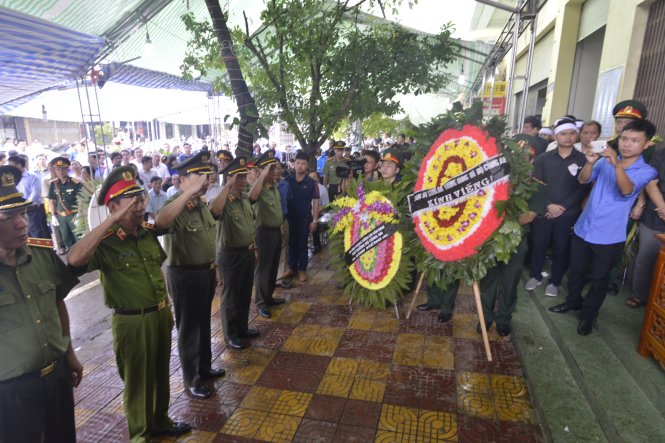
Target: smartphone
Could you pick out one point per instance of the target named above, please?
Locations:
(598, 146)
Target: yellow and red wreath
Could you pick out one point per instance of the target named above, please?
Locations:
(452, 233)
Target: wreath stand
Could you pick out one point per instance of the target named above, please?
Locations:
(351, 306)
(479, 308)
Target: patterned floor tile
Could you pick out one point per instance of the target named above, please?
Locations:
(244, 423)
(399, 419)
(260, 399)
(437, 426)
(511, 399)
(292, 403)
(246, 366)
(361, 413)
(294, 372)
(325, 408)
(278, 428)
(353, 434)
(315, 431)
(474, 395)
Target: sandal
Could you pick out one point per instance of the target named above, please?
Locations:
(634, 302)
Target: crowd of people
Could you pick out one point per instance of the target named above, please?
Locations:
(218, 219)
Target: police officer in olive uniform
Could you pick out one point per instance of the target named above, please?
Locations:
(190, 272)
(37, 363)
(235, 253)
(63, 200)
(269, 219)
(330, 179)
(129, 257)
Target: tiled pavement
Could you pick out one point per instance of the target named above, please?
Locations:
(322, 371)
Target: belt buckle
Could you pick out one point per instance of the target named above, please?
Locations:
(161, 305)
(48, 369)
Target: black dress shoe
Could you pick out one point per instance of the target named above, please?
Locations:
(424, 307)
(236, 343)
(276, 301)
(250, 333)
(584, 327)
(502, 330)
(176, 429)
(563, 308)
(488, 325)
(199, 392)
(444, 318)
(264, 312)
(613, 289)
(213, 373)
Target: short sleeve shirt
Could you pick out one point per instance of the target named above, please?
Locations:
(30, 329)
(191, 238)
(65, 194)
(269, 207)
(130, 268)
(329, 169)
(235, 227)
(605, 215)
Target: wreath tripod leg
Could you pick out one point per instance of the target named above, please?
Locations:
(481, 318)
(415, 295)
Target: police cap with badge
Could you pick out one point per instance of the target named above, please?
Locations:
(197, 164)
(223, 154)
(266, 159)
(60, 162)
(10, 197)
(238, 166)
(120, 183)
(392, 155)
(633, 109)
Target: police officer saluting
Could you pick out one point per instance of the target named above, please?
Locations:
(190, 274)
(37, 364)
(235, 256)
(269, 219)
(128, 255)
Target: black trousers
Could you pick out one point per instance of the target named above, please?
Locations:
(269, 245)
(601, 258)
(192, 292)
(38, 227)
(38, 409)
(237, 270)
(559, 231)
(443, 298)
(333, 190)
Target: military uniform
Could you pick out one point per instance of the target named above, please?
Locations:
(65, 196)
(269, 219)
(329, 169)
(190, 278)
(134, 289)
(236, 259)
(36, 397)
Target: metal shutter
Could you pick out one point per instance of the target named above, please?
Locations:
(594, 16)
(542, 62)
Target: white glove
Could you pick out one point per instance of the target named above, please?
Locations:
(54, 221)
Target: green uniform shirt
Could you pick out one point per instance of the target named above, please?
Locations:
(130, 268)
(235, 228)
(64, 194)
(329, 169)
(269, 207)
(191, 238)
(30, 330)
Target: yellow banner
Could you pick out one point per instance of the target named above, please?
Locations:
(499, 89)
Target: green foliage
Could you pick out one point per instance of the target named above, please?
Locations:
(503, 243)
(374, 125)
(316, 63)
(84, 197)
(103, 133)
(399, 285)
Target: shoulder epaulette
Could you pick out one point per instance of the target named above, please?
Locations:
(149, 226)
(40, 242)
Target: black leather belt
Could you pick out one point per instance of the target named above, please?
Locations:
(43, 372)
(240, 248)
(209, 265)
(158, 307)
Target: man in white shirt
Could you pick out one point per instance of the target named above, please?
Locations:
(156, 198)
(175, 181)
(147, 172)
(160, 167)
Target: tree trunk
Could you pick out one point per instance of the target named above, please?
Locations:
(239, 87)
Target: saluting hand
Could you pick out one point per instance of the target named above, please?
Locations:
(198, 182)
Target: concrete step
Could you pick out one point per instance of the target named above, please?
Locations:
(594, 388)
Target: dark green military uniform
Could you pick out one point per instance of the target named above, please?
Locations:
(33, 368)
(66, 203)
(190, 276)
(235, 258)
(329, 168)
(134, 289)
(269, 219)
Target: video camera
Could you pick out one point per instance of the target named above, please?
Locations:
(351, 168)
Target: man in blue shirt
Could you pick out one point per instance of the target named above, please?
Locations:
(31, 188)
(600, 232)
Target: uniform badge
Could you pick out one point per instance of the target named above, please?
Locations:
(190, 205)
(127, 175)
(7, 179)
(122, 235)
(573, 169)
